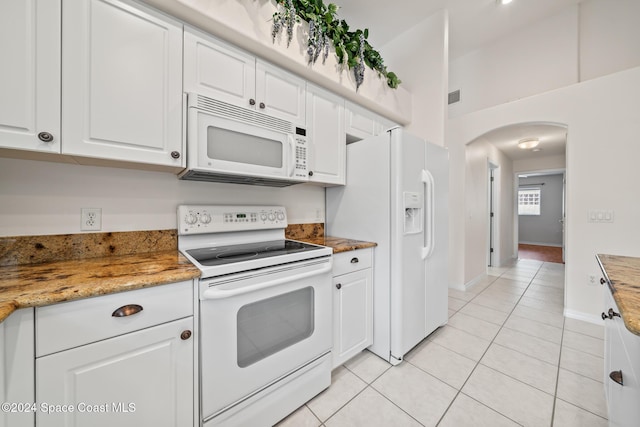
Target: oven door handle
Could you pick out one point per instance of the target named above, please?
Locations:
(215, 292)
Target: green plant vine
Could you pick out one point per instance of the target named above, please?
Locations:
(351, 47)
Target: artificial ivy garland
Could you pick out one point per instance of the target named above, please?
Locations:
(351, 47)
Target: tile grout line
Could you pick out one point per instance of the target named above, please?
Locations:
(485, 352)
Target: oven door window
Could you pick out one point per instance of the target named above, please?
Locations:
(231, 146)
(268, 326)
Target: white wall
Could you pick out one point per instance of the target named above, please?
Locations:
(45, 198)
(420, 57)
(545, 163)
(602, 154)
(478, 154)
(589, 40)
(537, 59)
(609, 34)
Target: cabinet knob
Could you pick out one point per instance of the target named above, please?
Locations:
(262, 105)
(616, 376)
(310, 173)
(602, 281)
(175, 154)
(127, 310)
(339, 286)
(354, 260)
(252, 101)
(185, 335)
(45, 137)
(604, 316)
(613, 314)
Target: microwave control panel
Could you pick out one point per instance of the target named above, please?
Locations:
(301, 157)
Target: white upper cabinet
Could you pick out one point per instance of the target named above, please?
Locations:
(362, 123)
(121, 83)
(218, 70)
(325, 133)
(30, 75)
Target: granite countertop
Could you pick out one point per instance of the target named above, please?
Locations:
(35, 285)
(623, 279)
(339, 244)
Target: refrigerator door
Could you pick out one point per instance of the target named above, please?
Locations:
(437, 237)
(407, 285)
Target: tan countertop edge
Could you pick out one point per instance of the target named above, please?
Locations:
(623, 278)
(38, 285)
(339, 244)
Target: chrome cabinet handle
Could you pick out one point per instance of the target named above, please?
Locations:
(45, 137)
(613, 314)
(175, 154)
(252, 101)
(339, 286)
(127, 310)
(616, 376)
(604, 316)
(185, 335)
(262, 105)
(602, 281)
(354, 260)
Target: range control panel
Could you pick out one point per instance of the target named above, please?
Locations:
(198, 219)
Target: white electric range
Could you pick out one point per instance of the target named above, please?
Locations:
(265, 328)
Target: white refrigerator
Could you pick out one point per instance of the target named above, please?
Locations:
(397, 196)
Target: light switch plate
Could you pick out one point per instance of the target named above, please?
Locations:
(600, 216)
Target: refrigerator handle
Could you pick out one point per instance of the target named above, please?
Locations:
(429, 190)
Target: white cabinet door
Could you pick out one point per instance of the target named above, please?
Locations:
(361, 123)
(353, 317)
(144, 378)
(280, 93)
(122, 82)
(30, 74)
(325, 133)
(17, 376)
(215, 69)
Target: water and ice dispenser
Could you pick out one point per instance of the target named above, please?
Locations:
(413, 212)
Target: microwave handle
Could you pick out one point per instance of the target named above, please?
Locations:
(292, 154)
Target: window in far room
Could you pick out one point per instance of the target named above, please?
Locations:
(529, 201)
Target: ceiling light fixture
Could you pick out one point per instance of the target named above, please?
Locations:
(504, 1)
(528, 143)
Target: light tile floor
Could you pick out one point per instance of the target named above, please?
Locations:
(507, 357)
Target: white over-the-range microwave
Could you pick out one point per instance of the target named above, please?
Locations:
(228, 143)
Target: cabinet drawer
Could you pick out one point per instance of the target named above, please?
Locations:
(71, 324)
(346, 262)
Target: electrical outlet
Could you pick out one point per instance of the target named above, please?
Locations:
(90, 219)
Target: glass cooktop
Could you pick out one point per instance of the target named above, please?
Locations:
(248, 251)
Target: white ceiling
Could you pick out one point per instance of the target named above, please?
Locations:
(553, 140)
(472, 23)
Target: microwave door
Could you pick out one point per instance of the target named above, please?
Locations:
(229, 146)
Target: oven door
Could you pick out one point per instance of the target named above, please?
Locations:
(234, 147)
(260, 326)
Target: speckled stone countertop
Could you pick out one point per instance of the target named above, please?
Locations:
(623, 277)
(339, 244)
(146, 259)
(314, 233)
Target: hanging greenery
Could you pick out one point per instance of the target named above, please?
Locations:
(352, 47)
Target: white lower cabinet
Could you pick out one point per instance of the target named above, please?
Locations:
(352, 304)
(16, 369)
(144, 377)
(622, 366)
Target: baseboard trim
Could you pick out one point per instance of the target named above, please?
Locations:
(586, 317)
(473, 282)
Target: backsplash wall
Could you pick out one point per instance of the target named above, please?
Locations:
(38, 198)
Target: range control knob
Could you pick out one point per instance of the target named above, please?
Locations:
(281, 216)
(263, 216)
(191, 219)
(205, 218)
(272, 216)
